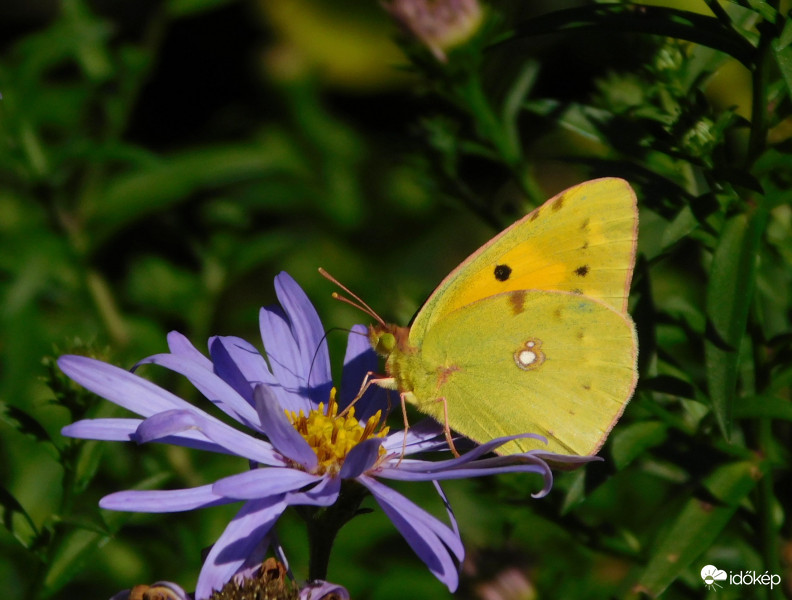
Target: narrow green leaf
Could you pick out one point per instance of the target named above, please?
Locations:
(786, 36)
(77, 547)
(729, 293)
(697, 525)
(516, 96)
(628, 443)
(656, 20)
(576, 492)
(771, 407)
(133, 195)
(763, 8)
(16, 519)
(783, 56)
(23, 422)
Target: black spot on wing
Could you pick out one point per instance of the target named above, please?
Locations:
(582, 271)
(502, 272)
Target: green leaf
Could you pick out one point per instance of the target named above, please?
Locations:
(512, 105)
(783, 56)
(24, 531)
(655, 20)
(131, 196)
(77, 547)
(698, 524)
(763, 406)
(23, 422)
(576, 492)
(729, 293)
(786, 36)
(628, 443)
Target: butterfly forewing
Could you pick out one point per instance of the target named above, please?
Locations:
(581, 241)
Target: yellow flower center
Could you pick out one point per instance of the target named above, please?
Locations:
(332, 436)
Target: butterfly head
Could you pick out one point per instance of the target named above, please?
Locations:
(386, 338)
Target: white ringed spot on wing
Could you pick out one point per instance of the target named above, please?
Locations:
(529, 356)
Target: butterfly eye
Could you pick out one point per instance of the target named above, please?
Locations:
(529, 356)
(385, 344)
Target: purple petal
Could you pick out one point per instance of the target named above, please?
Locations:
(425, 436)
(210, 385)
(359, 361)
(263, 483)
(473, 454)
(119, 386)
(240, 364)
(295, 347)
(407, 471)
(240, 538)
(280, 431)
(430, 539)
(109, 430)
(361, 458)
(323, 494)
(174, 422)
(283, 356)
(309, 334)
(449, 510)
(160, 501)
(252, 565)
(181, 346)
(125, 430)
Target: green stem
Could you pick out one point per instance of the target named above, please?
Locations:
(106, 305)
(769, 535)
(759, 85)
(325, 523)
(492, 128)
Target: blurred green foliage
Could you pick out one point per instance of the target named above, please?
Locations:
(161, 161)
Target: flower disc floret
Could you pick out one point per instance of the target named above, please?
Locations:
(332, 436)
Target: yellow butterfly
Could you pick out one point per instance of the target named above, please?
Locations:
(530, 334)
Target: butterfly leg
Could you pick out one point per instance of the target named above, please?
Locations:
(406, 427)
(370, 378)
(446, 428)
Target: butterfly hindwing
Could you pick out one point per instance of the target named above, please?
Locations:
(529, 361)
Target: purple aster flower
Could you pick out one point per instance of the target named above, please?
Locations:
(267, 579)
(440, 24)
(301, 442)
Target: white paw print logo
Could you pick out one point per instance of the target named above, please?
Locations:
(711, 575)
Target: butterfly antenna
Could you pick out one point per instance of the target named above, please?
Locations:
(319, 347)
(354, 299)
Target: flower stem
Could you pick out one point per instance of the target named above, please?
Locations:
(325, 523)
